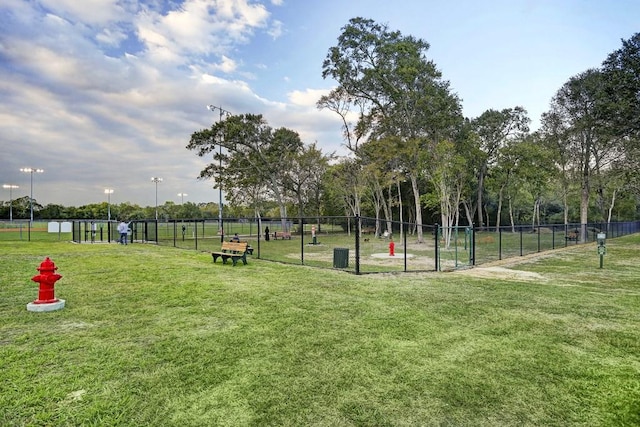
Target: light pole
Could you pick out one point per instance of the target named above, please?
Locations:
(10, 187)
(182, 196)
(31, 171)
(212, 107)
(108, 192)
(156, 180)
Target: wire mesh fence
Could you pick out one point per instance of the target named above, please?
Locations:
(356, 244)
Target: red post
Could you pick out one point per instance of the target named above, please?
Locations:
(47, 280)
(392, 247)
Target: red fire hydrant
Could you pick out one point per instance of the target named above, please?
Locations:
(47, 280)
(392, 247)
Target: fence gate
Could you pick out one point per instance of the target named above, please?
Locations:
(454, 247)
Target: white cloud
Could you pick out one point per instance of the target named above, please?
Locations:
(227, 65)
(199, 27)
(306, 98)
(276, 29)
(94, 12)
(111, 36)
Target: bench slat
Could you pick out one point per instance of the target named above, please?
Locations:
(233, 250)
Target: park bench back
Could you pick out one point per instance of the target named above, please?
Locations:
(234, 247)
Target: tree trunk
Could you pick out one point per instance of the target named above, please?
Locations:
(416, 197)
(584, 205)
(486, 211)
(565, 202)
(445, 212)
(483, 170)
(611, 205)
(467, 212)
(513, 224)
(386, 208)
(499, 208)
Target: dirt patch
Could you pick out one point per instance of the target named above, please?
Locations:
(500, 269)
(501, 273)
(415, 261)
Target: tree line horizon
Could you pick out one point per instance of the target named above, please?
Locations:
(414, 157)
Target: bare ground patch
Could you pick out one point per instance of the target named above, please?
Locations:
(501, 269)
(497, 272)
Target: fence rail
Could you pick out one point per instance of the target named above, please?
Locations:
(356, 244)
(368, 245)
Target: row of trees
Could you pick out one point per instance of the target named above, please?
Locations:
(414, 156)
(19, 209)
(413, 153)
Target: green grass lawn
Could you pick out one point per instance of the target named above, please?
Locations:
(158, 336)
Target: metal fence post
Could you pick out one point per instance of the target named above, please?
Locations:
(520, 240)
(437, 249)
(301, 224)
(473, 245)
(358, 232)
(259, 235)
(404, 243)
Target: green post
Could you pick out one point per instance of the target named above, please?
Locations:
(601, 260)
(602, 249)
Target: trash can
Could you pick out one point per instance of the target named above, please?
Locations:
(340, 257)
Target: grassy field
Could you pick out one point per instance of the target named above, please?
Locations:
(158, 336)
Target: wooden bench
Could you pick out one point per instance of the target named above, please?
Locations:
(233, 250)
(572, 236)
(281, 234)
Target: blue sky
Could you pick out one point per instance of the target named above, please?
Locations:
(106, 93)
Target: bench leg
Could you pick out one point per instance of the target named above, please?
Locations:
(215, 257)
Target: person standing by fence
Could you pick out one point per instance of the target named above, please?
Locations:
(123, 228)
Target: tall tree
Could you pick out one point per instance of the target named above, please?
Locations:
(380, 166)
(622, 86)
(445, 168)
(581, 107)
(347, 183)
(253, 156)
(621, 83)
(303, 176)
(554, 134)
(494, 129)
(396, 90)
(502, 173)
(534, 168)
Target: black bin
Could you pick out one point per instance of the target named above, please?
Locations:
(340, 257)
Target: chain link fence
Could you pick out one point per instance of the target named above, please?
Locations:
(359, 245)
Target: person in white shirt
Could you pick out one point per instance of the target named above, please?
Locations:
(123, 228)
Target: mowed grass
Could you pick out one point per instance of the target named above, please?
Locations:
(157, 336)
